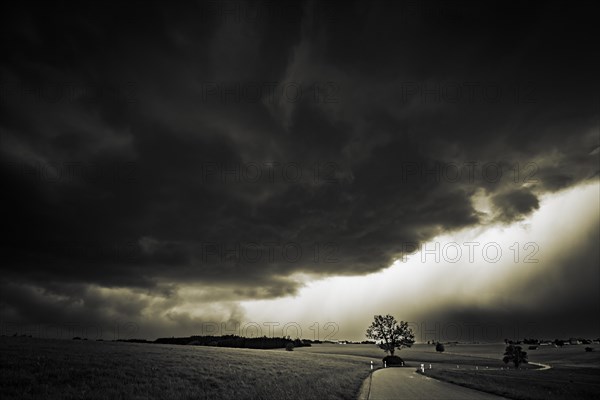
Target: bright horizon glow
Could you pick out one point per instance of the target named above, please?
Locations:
(406, 289)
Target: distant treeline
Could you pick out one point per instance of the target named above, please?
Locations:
(230, 341)
(557, 342)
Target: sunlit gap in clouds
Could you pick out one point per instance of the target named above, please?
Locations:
(437, 277)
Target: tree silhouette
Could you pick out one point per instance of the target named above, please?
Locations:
(393, 335)
(439, 347)
(516, 355)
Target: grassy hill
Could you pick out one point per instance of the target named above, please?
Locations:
(64, 369)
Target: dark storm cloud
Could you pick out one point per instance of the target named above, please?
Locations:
(150, 143)
(515, 204)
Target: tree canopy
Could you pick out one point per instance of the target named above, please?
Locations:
(391, 334)
(516, 355)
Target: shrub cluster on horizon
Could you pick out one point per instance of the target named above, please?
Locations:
(235, 341)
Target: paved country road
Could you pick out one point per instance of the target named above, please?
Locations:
(405, 383)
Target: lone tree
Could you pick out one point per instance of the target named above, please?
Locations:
(439, 347)
(515, 354)
(393, 335)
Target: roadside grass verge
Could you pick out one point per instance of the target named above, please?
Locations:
(528, 384)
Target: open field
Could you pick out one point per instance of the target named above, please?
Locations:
(486, 355)
(470, 354)
(574, 373)
(64, 369)
(556, 383)
(567, 356)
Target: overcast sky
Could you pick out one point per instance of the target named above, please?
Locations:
(168, 168)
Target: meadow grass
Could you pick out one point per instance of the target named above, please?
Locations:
(63, 369)
(418, 353)
(574, 373)
(558, 383)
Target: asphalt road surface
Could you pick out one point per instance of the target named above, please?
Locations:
(405, 383)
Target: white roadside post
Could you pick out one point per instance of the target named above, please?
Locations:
(371, 365)
(423, 368)
(429, 366)
(385, 364)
